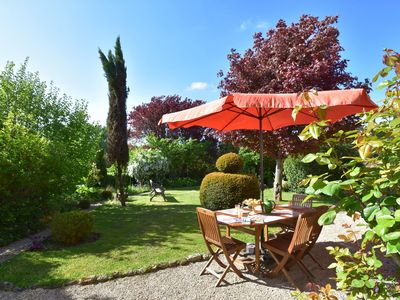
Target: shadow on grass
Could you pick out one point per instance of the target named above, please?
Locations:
(134, 231)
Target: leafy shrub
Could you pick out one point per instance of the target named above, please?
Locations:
(186, 157)
(224, 190)
(138, 189)
(89, 193)
(148, 164)
(46, 146)
(70, 228)
(181, 182)
(230, 163)
(84, 204)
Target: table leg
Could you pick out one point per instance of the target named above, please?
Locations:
(257, 232)
(228, 231)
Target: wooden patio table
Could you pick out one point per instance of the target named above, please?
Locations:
(229, 218)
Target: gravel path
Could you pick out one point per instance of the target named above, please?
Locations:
(185, 283)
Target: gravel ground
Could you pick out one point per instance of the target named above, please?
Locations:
(185, 282)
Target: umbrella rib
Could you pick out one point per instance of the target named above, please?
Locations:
(230, 122)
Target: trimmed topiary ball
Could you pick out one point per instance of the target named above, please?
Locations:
(230, 163)
(72, 227)
(222, 190)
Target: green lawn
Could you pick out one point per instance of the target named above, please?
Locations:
(142, 234)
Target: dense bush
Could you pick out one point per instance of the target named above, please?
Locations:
(224, 190)
(295, 171)
(230, 163)
(148, 164)
(181, 182)
(71, 228)
(46, 146)
(187, 158)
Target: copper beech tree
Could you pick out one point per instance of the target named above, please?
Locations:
(143, 119)
(288, 59)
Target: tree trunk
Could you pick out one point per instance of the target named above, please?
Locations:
(120, 186)
(278, 180)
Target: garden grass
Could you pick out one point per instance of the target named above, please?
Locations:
(138, 236)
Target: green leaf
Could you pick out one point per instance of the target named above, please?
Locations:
(309, 158)
(355, 172)
(391, 248)
(397, 215)
(370, 211)
(385, 220)
(367, 196)
(327, 218)
(357, 283)
(331, 189)
(392, 236)
(370, 283)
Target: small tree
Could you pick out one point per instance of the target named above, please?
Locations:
(117, 138)
(289, 59)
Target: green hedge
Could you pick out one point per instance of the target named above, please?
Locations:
(72, 227)
(230, 163)
(222, 190)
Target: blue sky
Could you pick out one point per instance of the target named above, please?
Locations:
(172, 47)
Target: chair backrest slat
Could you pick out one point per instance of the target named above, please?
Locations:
(302, 233)
(209, 226)
(298, 200)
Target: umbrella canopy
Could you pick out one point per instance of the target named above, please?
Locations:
(269, 111)
(244, 111)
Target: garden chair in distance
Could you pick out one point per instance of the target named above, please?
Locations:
(292, 249)
(297, 201)
(156, 189)
(226, 245)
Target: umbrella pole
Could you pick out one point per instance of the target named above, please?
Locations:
(261, 159)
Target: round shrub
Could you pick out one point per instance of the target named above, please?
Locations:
(230, 163)
(71, 227)
(222, 190)
(84, 204)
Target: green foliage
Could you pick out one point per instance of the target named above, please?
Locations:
(72, 227)
(148, 164)
(370, 181)
(230, 163)
(181, 182)
(188, 158)
(101, 166)
(224, 190)
(46, 146)
(251, 160)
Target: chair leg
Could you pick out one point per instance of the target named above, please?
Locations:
(222, 276)
(207, 265)
(281, 267)
(232, 265)
(314, 259)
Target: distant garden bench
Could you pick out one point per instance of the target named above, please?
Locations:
(156, 189)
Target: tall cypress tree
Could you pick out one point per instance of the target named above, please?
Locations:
(117, 137)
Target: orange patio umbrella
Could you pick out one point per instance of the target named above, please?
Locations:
(269, 112)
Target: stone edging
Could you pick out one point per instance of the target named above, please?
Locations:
(197, 257)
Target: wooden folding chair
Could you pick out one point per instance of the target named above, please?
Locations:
(156, 189)
(297, 201)
(226, 245)
(316, 231)
(292, 250)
